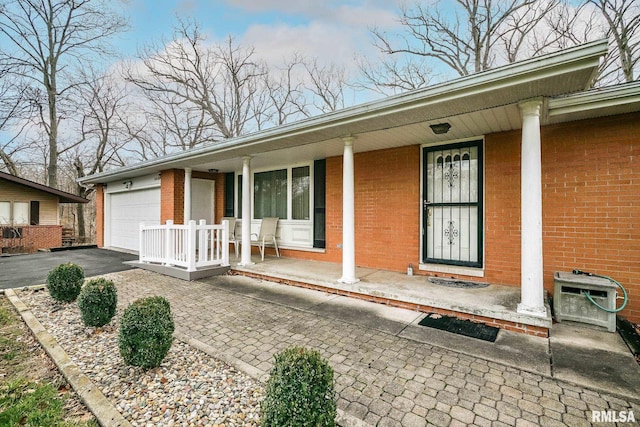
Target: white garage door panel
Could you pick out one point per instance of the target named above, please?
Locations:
(128, 210)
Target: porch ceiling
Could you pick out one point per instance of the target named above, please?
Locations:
(475, 124)
(474, 105)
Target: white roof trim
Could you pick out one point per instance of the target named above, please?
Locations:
(595, 99)
(573, 59)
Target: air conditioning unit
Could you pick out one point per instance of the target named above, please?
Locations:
(570, 302)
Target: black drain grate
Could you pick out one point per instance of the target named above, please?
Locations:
(461, 327)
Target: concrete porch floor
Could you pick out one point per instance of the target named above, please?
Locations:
(482, 304)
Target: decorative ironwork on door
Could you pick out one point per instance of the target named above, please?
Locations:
(453, 204)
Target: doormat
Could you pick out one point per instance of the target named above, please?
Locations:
(452, 283)
(460, 327)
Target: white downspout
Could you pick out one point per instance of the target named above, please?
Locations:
(245, 258)
(348, 215)
(531, 267)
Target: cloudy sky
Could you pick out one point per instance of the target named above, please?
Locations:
(332, 29)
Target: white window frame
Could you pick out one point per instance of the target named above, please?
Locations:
(294, 234)
(289, 168)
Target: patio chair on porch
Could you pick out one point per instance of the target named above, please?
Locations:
(267, 234)
(232, 232)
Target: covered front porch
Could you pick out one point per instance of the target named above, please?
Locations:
(491, 304)
(494, 305)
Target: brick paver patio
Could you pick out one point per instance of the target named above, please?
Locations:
(381, 378)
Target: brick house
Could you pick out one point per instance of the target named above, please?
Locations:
(30, 214)
(504, 176)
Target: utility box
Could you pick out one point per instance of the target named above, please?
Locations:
(570, 303)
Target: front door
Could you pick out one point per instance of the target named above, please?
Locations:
(452, 204)
(202, 200)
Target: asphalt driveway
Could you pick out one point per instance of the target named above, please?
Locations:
(26, 270)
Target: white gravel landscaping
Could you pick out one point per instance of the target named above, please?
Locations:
(190, 388)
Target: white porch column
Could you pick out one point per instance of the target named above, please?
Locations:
(531, 267)
(187, 195)
(245, 257)
(348, 215)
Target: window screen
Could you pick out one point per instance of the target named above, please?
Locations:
(270, 194)
(21, 213)
(300, 192)
(5, 213)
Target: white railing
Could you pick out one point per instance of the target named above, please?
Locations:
(190, 246)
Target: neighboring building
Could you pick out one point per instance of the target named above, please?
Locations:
(30, 214)
(504, 176)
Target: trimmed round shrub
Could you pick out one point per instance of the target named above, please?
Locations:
(65, 281)
(97, 301)
(146, 332)
(300, 390)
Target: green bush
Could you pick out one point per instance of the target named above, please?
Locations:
(146, 332)
(97, 301)
(299, 390)
(65, 281)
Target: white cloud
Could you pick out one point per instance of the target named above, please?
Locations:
(333, 32)
(326, 42)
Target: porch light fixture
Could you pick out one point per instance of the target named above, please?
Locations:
(440, 128)
(213, 170)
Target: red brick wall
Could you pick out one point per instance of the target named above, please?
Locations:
(34, 237)
(502, 208)
(100, 215)
(591, 201)
(387, 211)
(172, 196)
(387, 205)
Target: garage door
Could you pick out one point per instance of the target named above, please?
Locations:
(128, 210)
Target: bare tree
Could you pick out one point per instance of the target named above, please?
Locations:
(327, 85)
(163, 123)
(394, 75)
(100, 102)
(566, 25)
(523, 32)
(470, 36)
(11, 110)
(284, 93)
(622, 19)
(221, 80)
(44, 40)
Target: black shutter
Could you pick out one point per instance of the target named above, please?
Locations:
(228, 195)
(34, 213)
(319, 203)
(240, 198)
